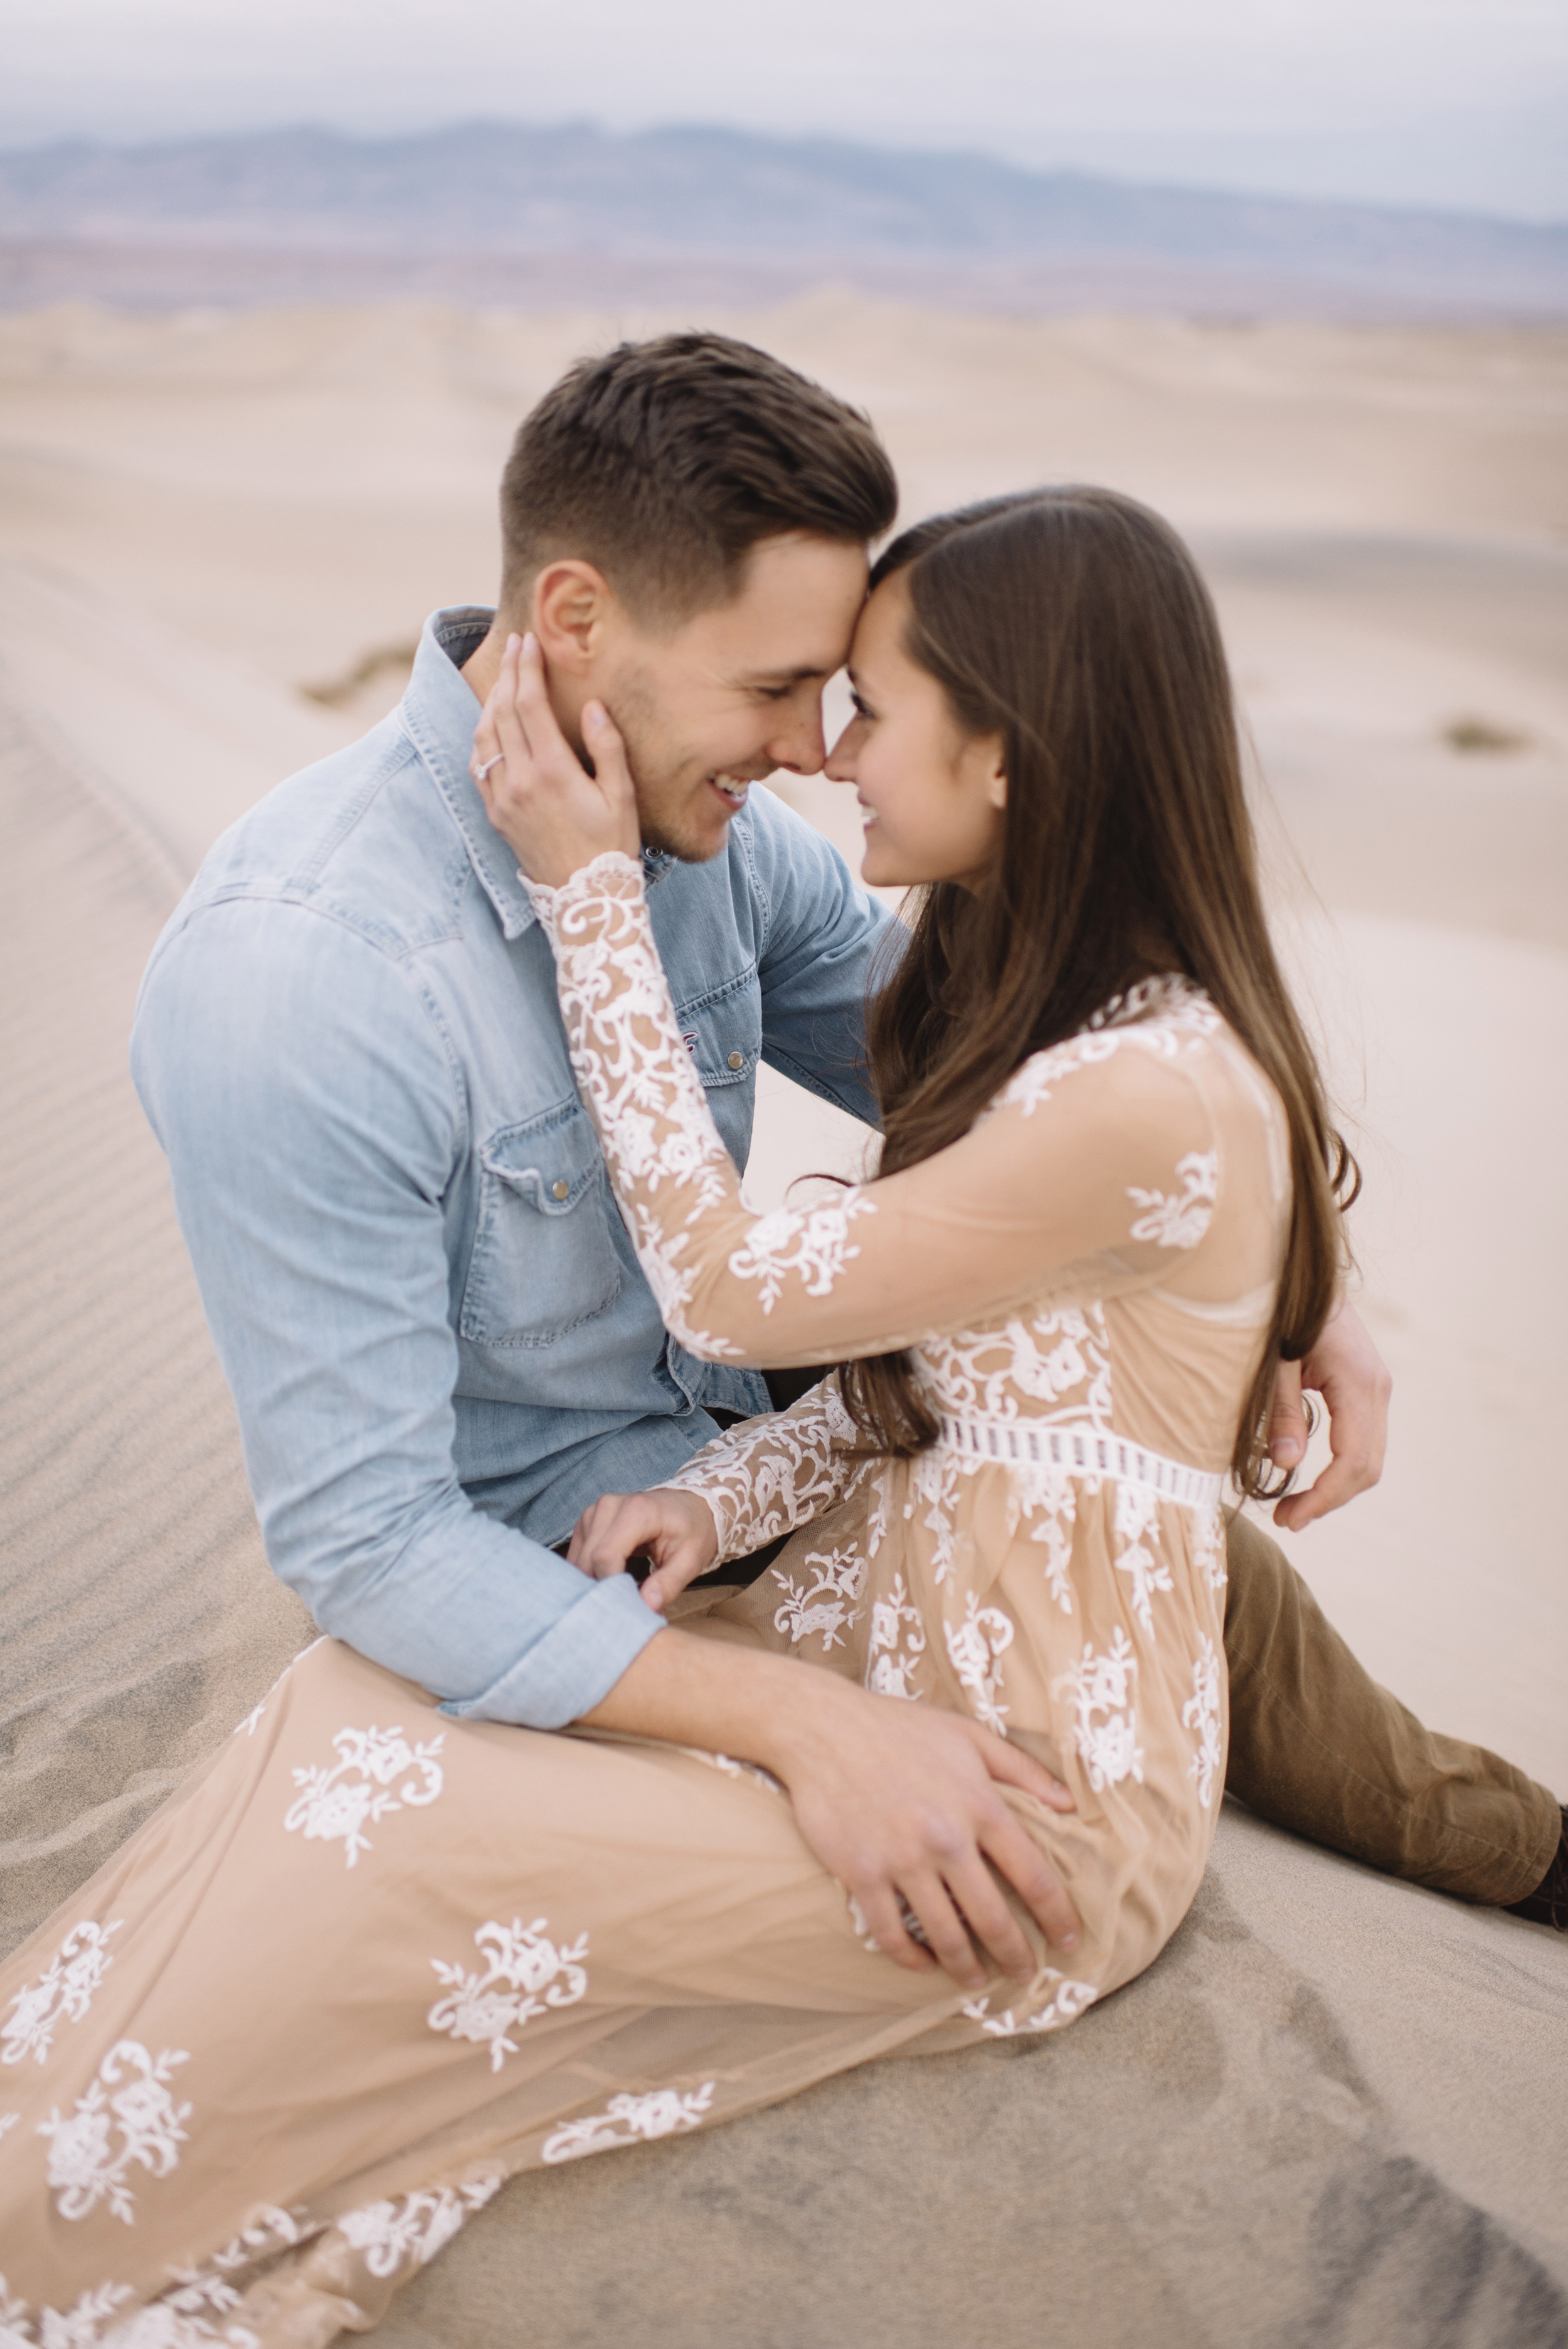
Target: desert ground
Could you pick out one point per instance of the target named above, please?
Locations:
(220, 532)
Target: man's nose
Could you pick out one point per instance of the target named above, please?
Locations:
(800, 745)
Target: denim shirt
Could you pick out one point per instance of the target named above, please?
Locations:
(439, 1341)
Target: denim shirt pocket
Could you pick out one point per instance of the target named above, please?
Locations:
(544, 1258)
(722, 1030)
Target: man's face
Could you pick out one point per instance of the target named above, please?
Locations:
(732, 694)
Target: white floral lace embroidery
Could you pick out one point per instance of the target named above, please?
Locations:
(63, 1992)
(646, 1099)
(1055, 1508)
(160, 2326)
(878, 1486)
(1180, 1221)
(750, 1771)
(933, 1479)
(1208, 1548)
(858, 1925)
(815, 1244)
(1202, 1713)
(524, 1973)
(81, 2327)
(337, 1803)
(896, 1643)
(627, 2120)
(764, 1479)
(1103, 1685)
(868, 1939)
(1061, 1359)
(1153, 1017)
(83, 2168)
(1066, 2003)
(212, 2290)
(974, 1648)
(190, 2316)
(827, 1606)
(1137, 1535)
(409, 2233)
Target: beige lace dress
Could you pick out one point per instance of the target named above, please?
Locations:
(371, 1960)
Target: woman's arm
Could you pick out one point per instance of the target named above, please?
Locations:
(747, 1487)
(1109, 1149)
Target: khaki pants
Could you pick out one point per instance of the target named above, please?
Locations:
(1318, 1747)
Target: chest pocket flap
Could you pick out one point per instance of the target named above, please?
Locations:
(544, 1258)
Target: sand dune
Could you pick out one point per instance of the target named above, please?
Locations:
(201, 516)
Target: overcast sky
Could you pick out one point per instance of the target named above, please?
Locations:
(1462, 103)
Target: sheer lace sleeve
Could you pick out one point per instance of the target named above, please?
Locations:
(1100, 1156)
(768, 1475)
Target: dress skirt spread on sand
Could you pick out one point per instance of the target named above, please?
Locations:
(371, 1960)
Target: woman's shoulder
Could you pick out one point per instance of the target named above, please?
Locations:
(1156, 1024)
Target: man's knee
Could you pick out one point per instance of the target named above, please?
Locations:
(1265, 1596)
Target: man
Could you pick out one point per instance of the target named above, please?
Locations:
(439, 1343)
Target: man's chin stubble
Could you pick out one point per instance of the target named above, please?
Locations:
(664, 841)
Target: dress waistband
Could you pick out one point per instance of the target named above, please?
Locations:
(1086, 1451)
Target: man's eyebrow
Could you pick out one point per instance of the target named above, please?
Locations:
(802, 675)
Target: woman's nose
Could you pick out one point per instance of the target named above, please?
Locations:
(839, 766)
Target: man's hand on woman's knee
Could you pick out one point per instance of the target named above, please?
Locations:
(1347, 1369)
(903, 1803)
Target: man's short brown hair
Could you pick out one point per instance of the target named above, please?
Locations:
(665, 463)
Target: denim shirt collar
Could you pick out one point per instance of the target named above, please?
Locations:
(438, 713)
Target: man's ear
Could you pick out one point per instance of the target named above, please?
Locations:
(573, 602)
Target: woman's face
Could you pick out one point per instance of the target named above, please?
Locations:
(931, 798)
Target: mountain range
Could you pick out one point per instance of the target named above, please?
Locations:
(499, 202)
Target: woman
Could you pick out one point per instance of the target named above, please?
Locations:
(372, 1960)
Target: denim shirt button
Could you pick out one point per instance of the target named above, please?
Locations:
(737, 1061)
(559, 1190)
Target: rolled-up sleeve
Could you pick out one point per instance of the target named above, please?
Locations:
(312, 1113)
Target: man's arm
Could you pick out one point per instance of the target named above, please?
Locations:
(825, 937)
(901, 1802)
(312, 1116)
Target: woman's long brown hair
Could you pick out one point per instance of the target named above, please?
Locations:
(1073, 622)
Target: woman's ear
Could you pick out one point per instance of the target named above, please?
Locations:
(997, 779)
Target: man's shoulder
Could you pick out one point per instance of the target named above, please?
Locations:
(361, 838)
